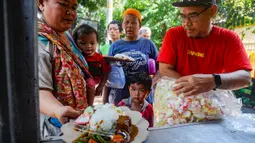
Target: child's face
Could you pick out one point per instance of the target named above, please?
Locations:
(138, 92)
(88, 43)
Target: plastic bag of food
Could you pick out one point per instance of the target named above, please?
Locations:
(171, 109)
(234, 119)
(240, 122)
(116, 78)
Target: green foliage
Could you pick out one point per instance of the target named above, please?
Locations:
(160, 15)
(235, 13)
(94, 10)
(253, 31)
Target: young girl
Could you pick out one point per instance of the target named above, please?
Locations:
(139, 88)
(86, 38)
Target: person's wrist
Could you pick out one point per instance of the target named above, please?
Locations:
(59, 110)
(100, 86)
(212, 82)
(216, 80)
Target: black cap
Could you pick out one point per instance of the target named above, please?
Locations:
(186, 3)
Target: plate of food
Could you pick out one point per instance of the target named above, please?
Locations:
(106, 124)
(119, 57)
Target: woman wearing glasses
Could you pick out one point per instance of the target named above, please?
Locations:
(202, 56)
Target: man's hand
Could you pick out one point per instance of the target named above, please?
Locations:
(65, 113)
(99, 90)
(194, 84)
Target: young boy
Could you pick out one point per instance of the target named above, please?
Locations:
(139, 88)
(86, 38)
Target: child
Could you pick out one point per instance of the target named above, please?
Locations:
(86, 38)
(139, 88)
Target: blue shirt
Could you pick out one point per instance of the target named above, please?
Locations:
(141, 50)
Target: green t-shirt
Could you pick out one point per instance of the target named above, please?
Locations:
(105, 49)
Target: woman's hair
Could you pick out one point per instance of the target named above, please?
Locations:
(84, 29)
(116, 22)
(144, 30)
(140, 78)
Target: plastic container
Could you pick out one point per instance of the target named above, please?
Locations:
(152, 67)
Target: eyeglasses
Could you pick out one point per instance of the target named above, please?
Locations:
(192, 17)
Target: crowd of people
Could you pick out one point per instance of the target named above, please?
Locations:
(201, 56)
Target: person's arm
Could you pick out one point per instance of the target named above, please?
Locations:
(106, 94)
(111, 50)
(102, 84)
(48, 102)
(235, 80)
(200, 83)
(90, 86)
(106, 88)
(167, 58)
(105, 70)
(155, 78)
(236, 63)
(167, 70)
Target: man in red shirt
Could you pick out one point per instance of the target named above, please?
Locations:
(202, 56)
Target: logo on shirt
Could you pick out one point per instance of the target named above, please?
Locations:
(140, 60)
(197, 54)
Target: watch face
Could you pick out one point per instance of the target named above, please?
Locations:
(217, 80)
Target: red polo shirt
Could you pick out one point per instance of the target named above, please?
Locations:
(220, 52)
(147, 113)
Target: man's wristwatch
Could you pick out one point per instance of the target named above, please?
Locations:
(217, 80)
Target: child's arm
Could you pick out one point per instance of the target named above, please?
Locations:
(106, 70)
(90, 86)
(101, 84)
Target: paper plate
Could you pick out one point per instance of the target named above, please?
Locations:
(115, 59)
(136, 117)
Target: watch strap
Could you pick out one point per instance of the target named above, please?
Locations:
(217, 80)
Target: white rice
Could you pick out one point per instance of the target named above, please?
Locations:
(104, 118)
